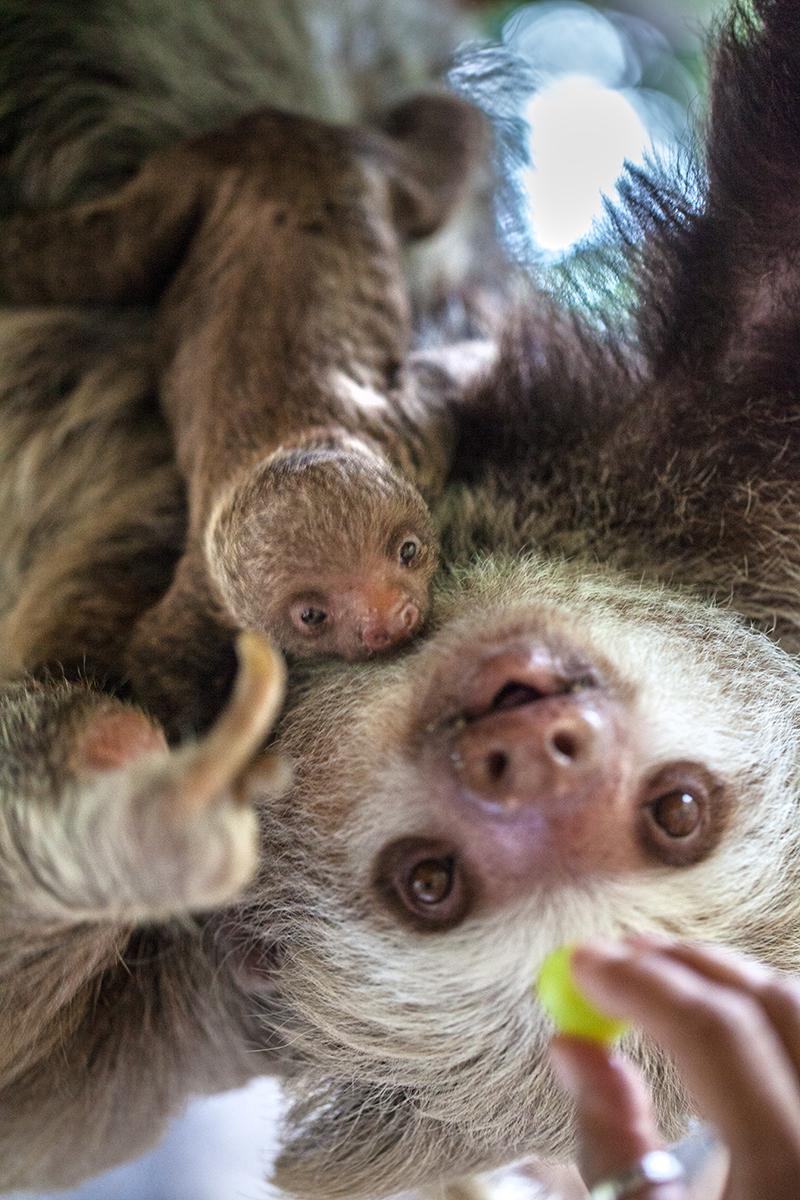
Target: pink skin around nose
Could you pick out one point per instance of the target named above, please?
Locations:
(384, 629)
(534, 776)
(554, 749)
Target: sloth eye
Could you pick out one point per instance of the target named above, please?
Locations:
(423, 883)
(682, 812)
(308, 615)
(432, 890)
(431, 881)
(678, 814)
(409, 551)
(313, 616)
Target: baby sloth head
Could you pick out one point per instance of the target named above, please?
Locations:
(329, 550)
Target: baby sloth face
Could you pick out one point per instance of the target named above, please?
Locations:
(372, 604)
(329, 551)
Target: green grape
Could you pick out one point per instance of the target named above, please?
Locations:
(569, 1009)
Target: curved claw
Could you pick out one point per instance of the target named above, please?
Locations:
(244, 723)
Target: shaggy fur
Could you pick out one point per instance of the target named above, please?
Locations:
(273, 252)
(623, 511)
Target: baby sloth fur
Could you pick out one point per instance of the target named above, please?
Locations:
(598, 731)
(274, 251)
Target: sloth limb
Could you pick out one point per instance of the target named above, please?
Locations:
(539, 744)
(284, 329)
(103, 829)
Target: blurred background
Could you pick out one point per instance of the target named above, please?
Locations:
(613, 83)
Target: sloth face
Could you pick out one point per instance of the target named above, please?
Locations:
(566, 755)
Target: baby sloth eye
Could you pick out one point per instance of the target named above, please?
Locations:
(409, 551)
(313, 616)
(308, 615)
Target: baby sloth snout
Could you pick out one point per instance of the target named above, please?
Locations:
(388, 627)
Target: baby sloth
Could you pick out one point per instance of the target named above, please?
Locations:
(274, 249)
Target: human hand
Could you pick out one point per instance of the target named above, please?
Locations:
(732, 1028)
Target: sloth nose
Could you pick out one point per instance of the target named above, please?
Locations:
(530, 773)
(535, 734)
(547, 750)
(382, 630)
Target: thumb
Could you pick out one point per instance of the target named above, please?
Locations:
(614, 1119)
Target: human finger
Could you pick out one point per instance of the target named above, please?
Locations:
(726, 1050)
(615, 1125)
(778, 995)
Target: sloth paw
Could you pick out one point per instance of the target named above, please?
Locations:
(182, 828)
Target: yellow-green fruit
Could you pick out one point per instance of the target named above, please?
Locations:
(570, 1010)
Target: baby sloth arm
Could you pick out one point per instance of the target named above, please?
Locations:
(298, 418)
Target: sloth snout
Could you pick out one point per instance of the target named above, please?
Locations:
(530, 772)
(544, 751)
(384, 630)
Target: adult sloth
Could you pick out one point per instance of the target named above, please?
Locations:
(595, 735)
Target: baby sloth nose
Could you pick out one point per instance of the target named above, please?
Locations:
(382, 630)
(534, 736)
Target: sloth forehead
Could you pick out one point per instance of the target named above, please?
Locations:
(695, 675)
(697, 686)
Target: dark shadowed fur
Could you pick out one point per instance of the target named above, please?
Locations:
(620, 553)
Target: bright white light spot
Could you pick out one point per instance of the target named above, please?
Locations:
(581, 135)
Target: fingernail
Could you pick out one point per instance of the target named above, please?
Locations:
(590, 966)
(599, 953)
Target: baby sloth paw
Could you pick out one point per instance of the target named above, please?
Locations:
(190, 838)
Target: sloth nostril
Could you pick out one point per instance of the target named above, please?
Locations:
(566, 744)
(497, 764)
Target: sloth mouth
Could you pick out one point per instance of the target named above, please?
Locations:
(508, 681)
(513, 678)
(514, 695)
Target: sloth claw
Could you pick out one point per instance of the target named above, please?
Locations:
(229, 746)
(193, 819)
